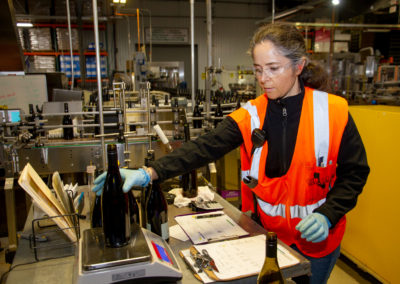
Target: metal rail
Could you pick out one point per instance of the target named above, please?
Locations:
(192, 49)
(344, 25)
(98, 72)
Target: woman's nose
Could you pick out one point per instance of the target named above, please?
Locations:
(264, 77)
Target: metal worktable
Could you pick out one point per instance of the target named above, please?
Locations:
(61, 270)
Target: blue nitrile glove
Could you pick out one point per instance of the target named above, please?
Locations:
(314, 228)
(130, 177)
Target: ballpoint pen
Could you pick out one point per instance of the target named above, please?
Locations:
(202, 236)
(208, 216)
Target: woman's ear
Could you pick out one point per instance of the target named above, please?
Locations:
(300, 66)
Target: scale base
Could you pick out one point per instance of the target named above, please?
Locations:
(137, 262)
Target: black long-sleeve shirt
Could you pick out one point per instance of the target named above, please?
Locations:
(351, 173)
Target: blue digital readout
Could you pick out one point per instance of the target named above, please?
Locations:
(161, 252)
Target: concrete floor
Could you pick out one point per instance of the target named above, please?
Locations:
(341, 274)
(3, 265)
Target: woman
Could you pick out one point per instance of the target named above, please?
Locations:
(302, 158)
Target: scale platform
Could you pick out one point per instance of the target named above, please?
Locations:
(146, 259)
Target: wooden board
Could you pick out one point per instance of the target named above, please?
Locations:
(31, 182)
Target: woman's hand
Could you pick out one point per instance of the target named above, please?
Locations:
(314, 228)
(131, 178)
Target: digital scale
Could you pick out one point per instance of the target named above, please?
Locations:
(146, 259)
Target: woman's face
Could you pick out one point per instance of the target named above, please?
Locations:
(275, 73)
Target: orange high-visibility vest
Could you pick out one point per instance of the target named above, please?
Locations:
(284, 201)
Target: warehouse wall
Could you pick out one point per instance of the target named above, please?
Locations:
(233, 26)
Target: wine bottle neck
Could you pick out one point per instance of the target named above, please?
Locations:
(271, 249)
(112, 161)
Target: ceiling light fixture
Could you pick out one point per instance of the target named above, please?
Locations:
(335, 2)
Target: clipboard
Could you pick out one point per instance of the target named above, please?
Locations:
(209, 227)
(236, 259)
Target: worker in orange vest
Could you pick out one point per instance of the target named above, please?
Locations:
(302, 159)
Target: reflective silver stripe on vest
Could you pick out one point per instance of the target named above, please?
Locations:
(298, 211)
(272, 210)
(255, 164)
(245, 174)
(321, 127)
(255, 120)
(255, 123)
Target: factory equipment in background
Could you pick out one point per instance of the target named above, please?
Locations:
(362, 78)
(139, 70)
(166, 75)
(129, 116)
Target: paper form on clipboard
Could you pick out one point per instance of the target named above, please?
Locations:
(237, 258)
(209, 227)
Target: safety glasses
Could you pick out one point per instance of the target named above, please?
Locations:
(270, 71)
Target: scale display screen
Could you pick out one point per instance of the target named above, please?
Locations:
(161, 252)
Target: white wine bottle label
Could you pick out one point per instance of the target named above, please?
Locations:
(165, 231)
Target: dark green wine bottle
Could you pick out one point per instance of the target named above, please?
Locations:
(218, 113)
(157, 211)
(115, 204)
(133, 209)
(68, 132)
(197, 114)
(96, 213)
